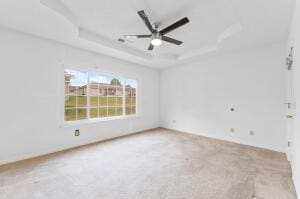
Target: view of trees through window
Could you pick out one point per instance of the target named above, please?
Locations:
(90, 95)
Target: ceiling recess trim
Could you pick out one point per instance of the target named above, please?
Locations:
(228, 32)
(63, 10)
(94, 37)
(60, 8)
(198, 52)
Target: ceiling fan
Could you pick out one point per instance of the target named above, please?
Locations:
(158, 36)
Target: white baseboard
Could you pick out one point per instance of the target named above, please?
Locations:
(49, 150)
(45, 151)
(296, 185)
(228, 140)
(19, 157)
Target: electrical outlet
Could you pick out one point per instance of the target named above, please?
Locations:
(232, 130)
(251, 132)
(77, 132)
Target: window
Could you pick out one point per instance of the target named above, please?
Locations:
(91, 95)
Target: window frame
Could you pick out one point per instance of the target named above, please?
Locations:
(99, 72)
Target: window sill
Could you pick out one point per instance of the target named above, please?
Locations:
(89, 121)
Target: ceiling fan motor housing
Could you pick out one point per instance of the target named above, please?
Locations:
(156, 35)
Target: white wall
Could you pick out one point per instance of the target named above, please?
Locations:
(31, 97)
(199, 96)
(294, 40)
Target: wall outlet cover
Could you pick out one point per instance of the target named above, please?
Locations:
(77, 132)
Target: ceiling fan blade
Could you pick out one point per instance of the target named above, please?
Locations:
(143, 15)
(150, 47)
(175, 25)
(171, 40)
(138, 36)
(143, 36)
(121, 40)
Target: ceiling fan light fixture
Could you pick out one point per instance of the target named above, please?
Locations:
(156, 42)
(156, 39)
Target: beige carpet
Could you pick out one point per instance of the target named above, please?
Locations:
(158, 164)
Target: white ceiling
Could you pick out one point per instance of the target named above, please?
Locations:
(215, 25)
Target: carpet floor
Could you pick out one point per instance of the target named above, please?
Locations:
(156, 164)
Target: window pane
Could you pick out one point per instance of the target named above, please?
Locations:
(116, 81)
(130, 93)
(119, 91)
(75, 77)
(81, 114)
(119, 111)
(82, 90)
(68, 76)
(111, 90)
(133, 101)
(102, 90)
(133, 110)
(67, 92)
(128, 110)
(94, 78)
(70, 114)
(102, 101)
(94, 90)
(133, 92)
(75, 94)
(93, 101)
(106, 79)
(93, 112)
(103, 112)
(81, 101)
(112, 101)
(70, 101)
(127, 90)
(111, 111)
(128, 101)
(72, 90)
(119, 101)
(130, 83)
